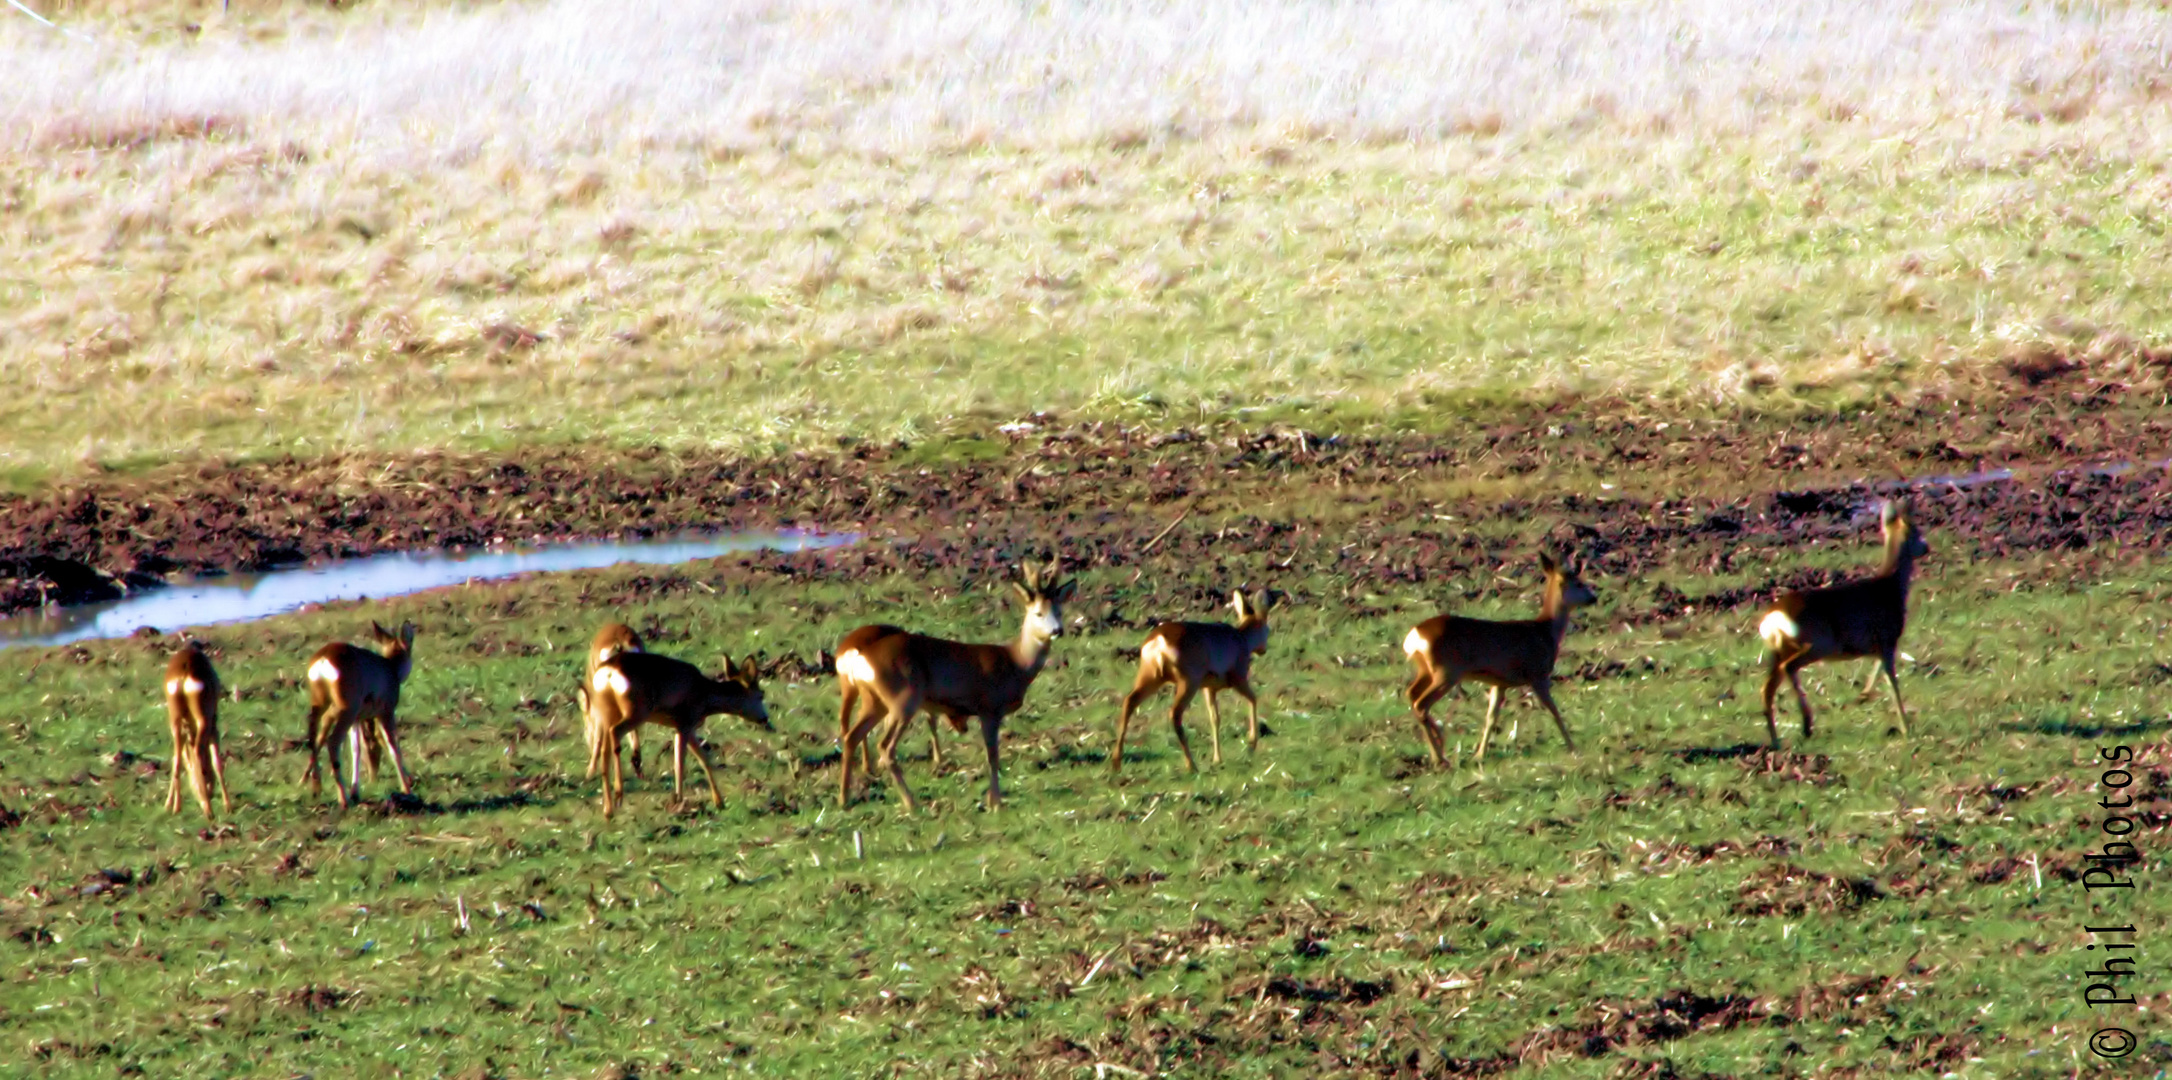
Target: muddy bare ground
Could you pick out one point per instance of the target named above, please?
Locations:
(1633, 489)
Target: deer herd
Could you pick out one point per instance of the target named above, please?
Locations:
(887, 675)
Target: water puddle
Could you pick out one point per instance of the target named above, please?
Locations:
(2000, 476)
(240, 597)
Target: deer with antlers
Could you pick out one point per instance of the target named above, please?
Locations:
(1447, 649)
(192, 710)
(1849, 621)
(355, 693)
(613, 639)
(1199, 656)
(890, 674)
(634, 688)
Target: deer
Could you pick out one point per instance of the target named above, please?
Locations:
(610, 641)
(1848, 621)
(1502, 654)
(1199, 656)
(633, 688)
(890, 674)
(355, 693)
(192, 710)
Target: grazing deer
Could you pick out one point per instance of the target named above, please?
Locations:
(1199, 656)
(1844, 622)
(192, 710)
(354, 692)
(612, 640)
(1448, 649)
(633, 688)
(892, 674)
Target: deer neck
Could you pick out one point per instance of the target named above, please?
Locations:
(1900, 564)
(1555, 613)
(1030, 651)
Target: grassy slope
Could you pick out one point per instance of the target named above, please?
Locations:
(1490, 904)
(186, 283)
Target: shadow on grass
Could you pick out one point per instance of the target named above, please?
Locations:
(1696, 754)
(2072, 730)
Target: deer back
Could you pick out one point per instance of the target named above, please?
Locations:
(610, 641)
(192, 686)
(360, 680)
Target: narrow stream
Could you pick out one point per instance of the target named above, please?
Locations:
(240, 597)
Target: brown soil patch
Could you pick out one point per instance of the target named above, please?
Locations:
(1267, 505)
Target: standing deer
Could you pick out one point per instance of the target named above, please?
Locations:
(633, 688)
(1448, 649)
(612, 640)
(892, 674)
(355, 693)
(1199, 656)
(192, 710)
(1844, 622)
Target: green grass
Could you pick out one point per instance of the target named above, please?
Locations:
(1466, 911)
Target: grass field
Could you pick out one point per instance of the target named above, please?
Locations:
(1860, 903)
(766, 226)
(1761, 253)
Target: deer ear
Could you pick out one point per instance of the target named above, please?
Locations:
(1236, 603)
(751, 668)
(1024, 594)
(1546, 563)
(1062, 593)
(1895, 510)
(407, 633)
(1265, 600)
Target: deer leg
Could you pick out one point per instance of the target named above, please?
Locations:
(218, 774)
(633, 749)
(688, 740)
(1793, 667)
(901, 717)
(856, 739)
(1493, 710)
(678, 765)
(935, 744)
(173, 771)
(1243, 688)
(200, 773)
(310, 776)
(1424, 693)
(388, 732)
(372, 740)
(1870, 685)
(607, 752)
(1772, 695)
(357, 735)
(1184, 692)
(1214, 723)
(1885, 664)
(1141, 690)
(848, 695)
(990, 727)
(588, 729)
(333, 732)
(1545, 691)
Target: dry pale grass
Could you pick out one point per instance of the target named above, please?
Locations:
(291, 229)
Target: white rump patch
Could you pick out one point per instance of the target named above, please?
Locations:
(173, 686)
(1158, 648)
(191, 685)
(1413, 642)
(612, 679)
(323, 671)
(1777, 629)
(854, 666)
